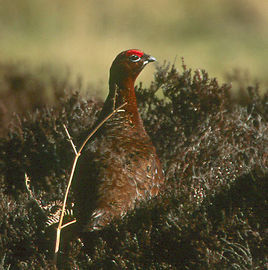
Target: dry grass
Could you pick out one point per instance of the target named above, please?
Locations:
(86, 36)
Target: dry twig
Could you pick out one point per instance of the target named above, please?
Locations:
(31, 194)
(77, 154)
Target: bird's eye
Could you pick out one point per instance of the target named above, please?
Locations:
(134, 58)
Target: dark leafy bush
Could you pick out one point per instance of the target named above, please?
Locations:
(24, 89)
(211, 214)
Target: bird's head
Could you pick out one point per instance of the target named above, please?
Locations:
(128, 65)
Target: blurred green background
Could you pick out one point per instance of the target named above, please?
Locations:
(85, 36)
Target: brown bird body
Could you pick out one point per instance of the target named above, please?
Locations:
(121, 166)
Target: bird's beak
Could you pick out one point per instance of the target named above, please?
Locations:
(151, 59)
(148, 59)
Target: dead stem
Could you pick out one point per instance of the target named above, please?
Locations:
(77, 154)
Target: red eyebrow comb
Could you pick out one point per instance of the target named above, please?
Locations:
(136, 52)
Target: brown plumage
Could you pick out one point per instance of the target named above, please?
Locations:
(120, 166)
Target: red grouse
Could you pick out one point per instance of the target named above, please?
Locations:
(120, 166)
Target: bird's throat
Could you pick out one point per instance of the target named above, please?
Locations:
(124, 92)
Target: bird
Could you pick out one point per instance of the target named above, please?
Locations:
(120, 166)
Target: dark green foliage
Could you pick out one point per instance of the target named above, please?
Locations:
(212, 213)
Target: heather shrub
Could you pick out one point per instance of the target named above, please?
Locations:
(211, 214)
(26, 89)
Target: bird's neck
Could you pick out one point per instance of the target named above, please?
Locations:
(123, 92)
